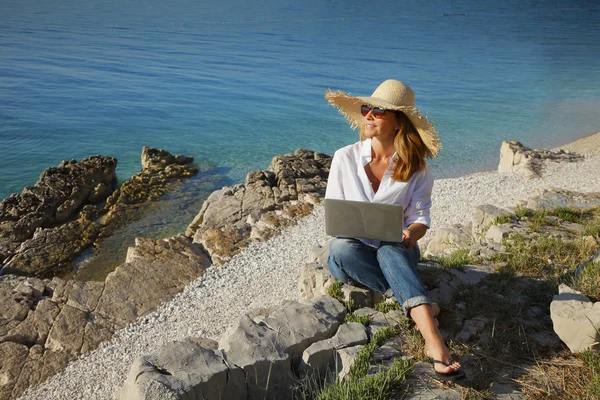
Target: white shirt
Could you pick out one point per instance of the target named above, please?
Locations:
(348, 181)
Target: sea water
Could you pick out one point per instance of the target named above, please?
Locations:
(234, 83)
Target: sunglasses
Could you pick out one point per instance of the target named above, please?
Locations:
(377, 112)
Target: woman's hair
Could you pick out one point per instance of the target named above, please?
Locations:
(410, 148)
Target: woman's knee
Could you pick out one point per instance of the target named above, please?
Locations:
(399, 255)
(342, 248)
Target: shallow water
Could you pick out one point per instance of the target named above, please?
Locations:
(235, 84)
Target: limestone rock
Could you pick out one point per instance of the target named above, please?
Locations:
(159, 170)
(497, 233)
(314, 280)
(83, 296)
(319, 358)
(319, 254)
(34, 329)
(350, 334)
(54, 198)
(32, 371)
(563, 198)
(471, 275)
(45, 227)
(360, 297)
(97, 330)
(447, 240)
(222, 208)
(299, 325)
(380, 320)
(516, 157)
(575, 318)
(122, 302)
(256, 349)
(427, 389)
(486, 250)
(345, 360)
(233, 217)
(12, 360)
(388, 351)
(13, 306)
(471, 328)
(180, 370)
(159, 159)
(483, 217)
(50, 250)
(60, 320)
(66, 334)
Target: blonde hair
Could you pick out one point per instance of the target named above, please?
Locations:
(410, 148)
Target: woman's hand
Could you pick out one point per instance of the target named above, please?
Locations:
(409, 238)
(413, 233)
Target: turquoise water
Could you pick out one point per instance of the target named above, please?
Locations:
(234, 84)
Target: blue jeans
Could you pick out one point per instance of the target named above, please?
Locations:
(391, 266)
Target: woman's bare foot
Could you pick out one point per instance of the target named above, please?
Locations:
(441, 353)
(435, 347)
(435, 309)
(436, 322)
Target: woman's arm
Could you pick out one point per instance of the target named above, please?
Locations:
(335, 181)
(417, 213)
(413, 233)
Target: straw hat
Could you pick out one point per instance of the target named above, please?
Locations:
(390, 95)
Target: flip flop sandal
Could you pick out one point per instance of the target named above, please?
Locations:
(452, 376)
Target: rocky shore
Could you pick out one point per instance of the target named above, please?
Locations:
(27, 220)
(261, 275)
(275, 352)
(47, 225)
(45, 323)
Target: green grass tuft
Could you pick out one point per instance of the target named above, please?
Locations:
(362, 319)
(335, 290)
(375, 387)
(455, 260)
(523, 213)
(350, 306)
(358, 385)
(386, 307)
(361, 363)
(591, 227)
(569, 214)
(588, 281)
(503, 219)
(592, 359)
(546, 256)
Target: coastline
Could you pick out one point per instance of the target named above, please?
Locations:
(454, 198)
(209, 305)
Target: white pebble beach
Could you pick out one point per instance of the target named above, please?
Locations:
(267, 273)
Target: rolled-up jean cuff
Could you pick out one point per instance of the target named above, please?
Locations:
(413, 302)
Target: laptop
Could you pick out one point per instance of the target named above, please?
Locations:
(360, 219)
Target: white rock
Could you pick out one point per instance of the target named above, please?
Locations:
(575, 318)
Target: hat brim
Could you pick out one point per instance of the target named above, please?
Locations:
(349, 107)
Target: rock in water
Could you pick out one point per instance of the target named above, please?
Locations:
(159, 169)
(55, 198)
(159, 159)
(46, 226)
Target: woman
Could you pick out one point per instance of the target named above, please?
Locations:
(388, 166)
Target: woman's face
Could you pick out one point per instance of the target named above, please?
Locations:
(383, 128)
